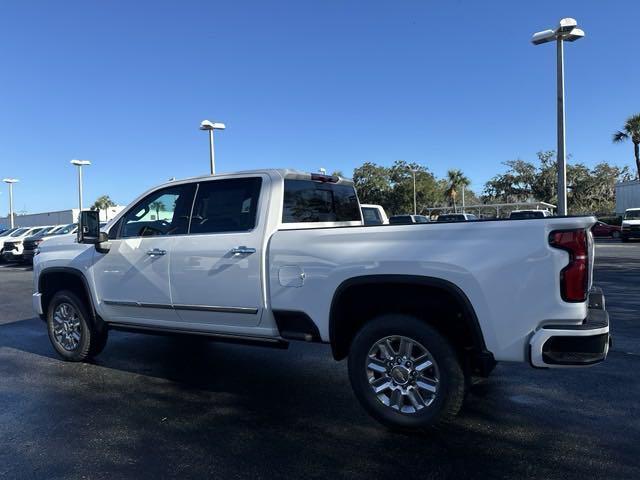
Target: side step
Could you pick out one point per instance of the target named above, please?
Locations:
(219, 337)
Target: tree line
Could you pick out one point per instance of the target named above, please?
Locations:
(590, 190)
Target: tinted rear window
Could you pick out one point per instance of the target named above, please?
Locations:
(309, 201)
(399, 219)
(450, 218)
(226, 205)
(520, 215)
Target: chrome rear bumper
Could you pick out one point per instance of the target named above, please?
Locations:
(554, 346)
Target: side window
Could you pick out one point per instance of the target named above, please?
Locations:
(229, 205)
(164, 212)
(309, 201)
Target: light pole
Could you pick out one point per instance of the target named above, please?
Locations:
(80, 164)
(415, 205)
(211, 126)
(567, 31)
(10, 182)
(463, 197)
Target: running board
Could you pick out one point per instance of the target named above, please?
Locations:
(221, 337)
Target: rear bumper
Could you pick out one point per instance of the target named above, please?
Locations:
(554, 346)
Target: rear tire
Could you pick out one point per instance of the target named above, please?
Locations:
(615, 234)
(405, 374)
(71, 331)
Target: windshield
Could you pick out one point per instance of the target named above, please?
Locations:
(7, 232)
(43, 232)
(66, 229)
(632, 215)
(20, 231)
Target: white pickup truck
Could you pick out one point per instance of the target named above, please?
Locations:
(266, 257)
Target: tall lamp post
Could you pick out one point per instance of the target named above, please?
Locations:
(80, 164)
(567, 31)
(463, 188)
(210, 127)
(10, 182)
(415, 204)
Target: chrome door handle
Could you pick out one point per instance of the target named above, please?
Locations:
(156, 252)
(242, 250)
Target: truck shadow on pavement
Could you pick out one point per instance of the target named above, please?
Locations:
(155, 407)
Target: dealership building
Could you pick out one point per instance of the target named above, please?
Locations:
(61, 217)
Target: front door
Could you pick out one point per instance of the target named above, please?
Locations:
(133, 277)
(216, 269)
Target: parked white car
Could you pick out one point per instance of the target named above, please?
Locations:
(30, 244)
(526, 214)
(374, 214)
(13, 246)
(456, 217)
(271, 256)
(631, 224)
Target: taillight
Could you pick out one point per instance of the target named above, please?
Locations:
(574, 278)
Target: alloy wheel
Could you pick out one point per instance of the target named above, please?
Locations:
(67, 330)
(402, 374)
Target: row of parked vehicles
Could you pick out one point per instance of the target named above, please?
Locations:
(630, 228)
(375, 215)
(19, 244)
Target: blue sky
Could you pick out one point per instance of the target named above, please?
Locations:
(303, 84)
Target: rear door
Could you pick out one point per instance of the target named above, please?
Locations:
(216, 268)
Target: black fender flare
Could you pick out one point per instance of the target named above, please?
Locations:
(78, 274)
(469, 312)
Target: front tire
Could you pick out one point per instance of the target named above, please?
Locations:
(615, 234)
(405, 374)
(71, 331)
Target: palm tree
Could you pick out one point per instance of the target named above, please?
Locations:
(455, 181)
(102, 203)
(157, 206)
(631, 131)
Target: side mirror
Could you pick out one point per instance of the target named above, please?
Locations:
(89, 227)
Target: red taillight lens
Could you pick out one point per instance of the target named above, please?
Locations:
(574, 278)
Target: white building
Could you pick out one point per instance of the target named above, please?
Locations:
(627, 196)
(61, 217)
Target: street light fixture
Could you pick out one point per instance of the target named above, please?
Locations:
(567, 31)
(80, 164)
(211, 126)
(10, 182)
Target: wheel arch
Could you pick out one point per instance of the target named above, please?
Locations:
(345, 321)
(55, 279)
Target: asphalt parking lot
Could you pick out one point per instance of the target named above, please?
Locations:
(157, 407)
